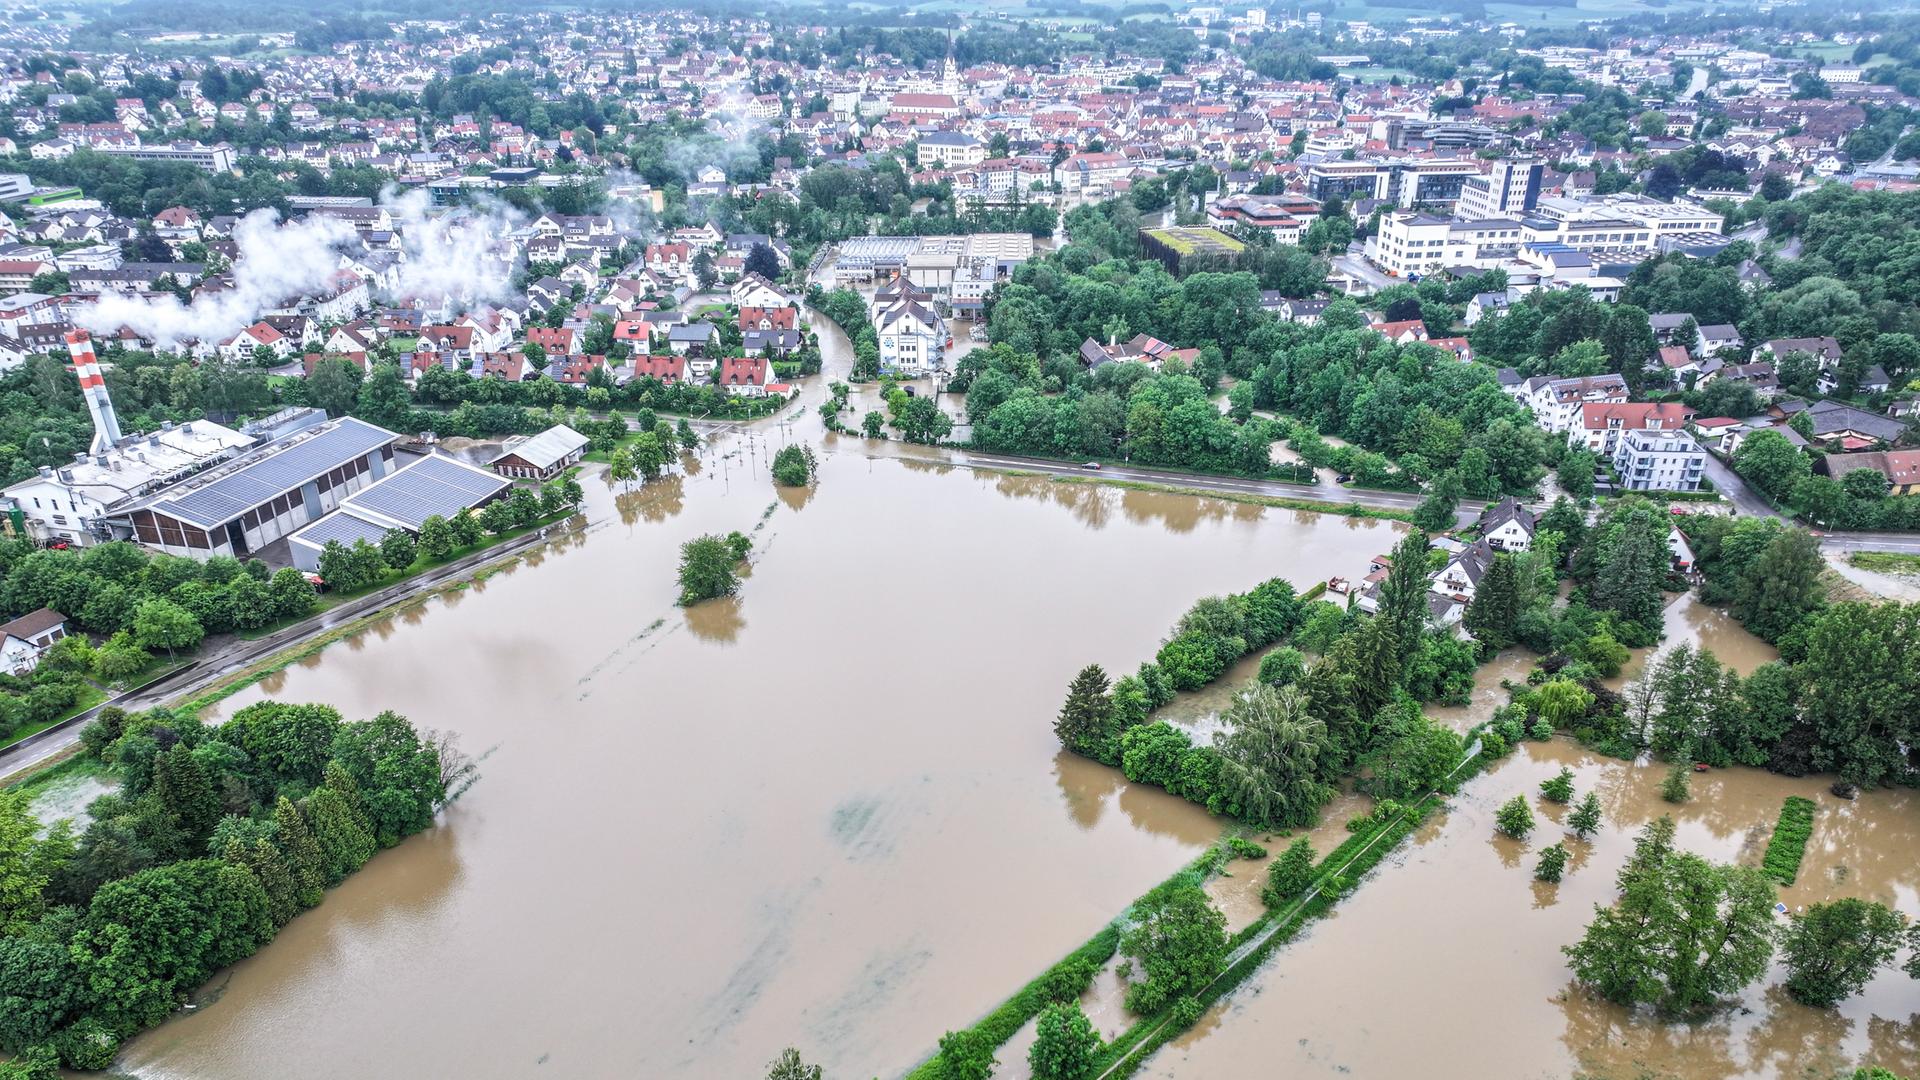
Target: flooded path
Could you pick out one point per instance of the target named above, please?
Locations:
(829, 812)
(1447, 963)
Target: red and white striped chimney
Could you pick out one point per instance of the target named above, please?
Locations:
(106, 425)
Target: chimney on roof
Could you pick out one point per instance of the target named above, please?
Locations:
(106, 425)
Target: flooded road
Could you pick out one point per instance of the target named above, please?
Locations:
(829, 812)
(1447, 963)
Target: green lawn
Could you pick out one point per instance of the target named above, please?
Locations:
(1885, 562)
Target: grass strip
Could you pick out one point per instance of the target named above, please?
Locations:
(1789, 843)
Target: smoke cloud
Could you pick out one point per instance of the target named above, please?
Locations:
(465, 254)
(276, 262)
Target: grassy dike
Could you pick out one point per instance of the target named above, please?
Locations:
(1337, 874)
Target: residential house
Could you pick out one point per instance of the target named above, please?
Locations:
(24, 640)
(1659, 460)
(1556, 402)
(744, 376)
(1900, 467)
(1507, 525)
(1602, 423)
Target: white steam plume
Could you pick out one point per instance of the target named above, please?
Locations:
(462, 253)
(276, 262)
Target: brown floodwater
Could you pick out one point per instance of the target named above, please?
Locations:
(1446, 963)
(829, 812)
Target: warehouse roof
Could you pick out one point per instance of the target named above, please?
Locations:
(226, 493)
(433, 485)
(341, 525)
(547, 449)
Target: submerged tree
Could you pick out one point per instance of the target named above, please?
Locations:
(1684, 932)
(1832, 950)
(789, 1066)
(1179, 944)
(707, 566)
(794, 466)
(1084, 715)
(1585, 819)
(1514, 818)
(1064, 1044)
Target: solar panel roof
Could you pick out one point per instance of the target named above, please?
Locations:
(344, 527)
(229, 496)
(432, 485)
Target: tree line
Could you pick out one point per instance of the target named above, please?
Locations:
(217, 837)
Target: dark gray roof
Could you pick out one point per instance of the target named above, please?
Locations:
(284, 468)
(432, 485)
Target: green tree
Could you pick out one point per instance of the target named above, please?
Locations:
(339, 827)
(1585, 819)
(789, 1066)
(1290, 874)
(707, 569)
(1178, 944)
(1683, 933)
(1493, 614)
(1633, 569)
(1436, 512)
(1677, 787)
(334, 385)
(1553, 863)
(163, 624)
(1575, 474)
(26, 865)
(1561, 702)
(306, 865)
(966, 1055)
(1273, 757)
(1832, 950)
(1514, 818)
(185, 790)
(398, 549)
(436, 538)
(292, 593)
(383, 398)
(794, 466)
(1065, 1044)
(1083, 718)
(1782, 585)
(1403, 596)
(396, 773)
(1770, 463)
(872, 423)
(1559, 787)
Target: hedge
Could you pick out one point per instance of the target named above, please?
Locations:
(1789, 842)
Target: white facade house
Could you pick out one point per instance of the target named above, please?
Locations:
(1557, 403)
(1655, 460)
(25, 639)
(913, 339)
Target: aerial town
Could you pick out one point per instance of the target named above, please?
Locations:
(494, 500)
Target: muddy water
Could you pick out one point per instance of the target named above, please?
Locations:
(1447, 962)
(1703, 626)
(829, 812)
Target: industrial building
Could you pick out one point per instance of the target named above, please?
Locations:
(404, 499)
(197, 489)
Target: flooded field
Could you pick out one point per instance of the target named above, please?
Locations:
(830, 812)
(1447, 963)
